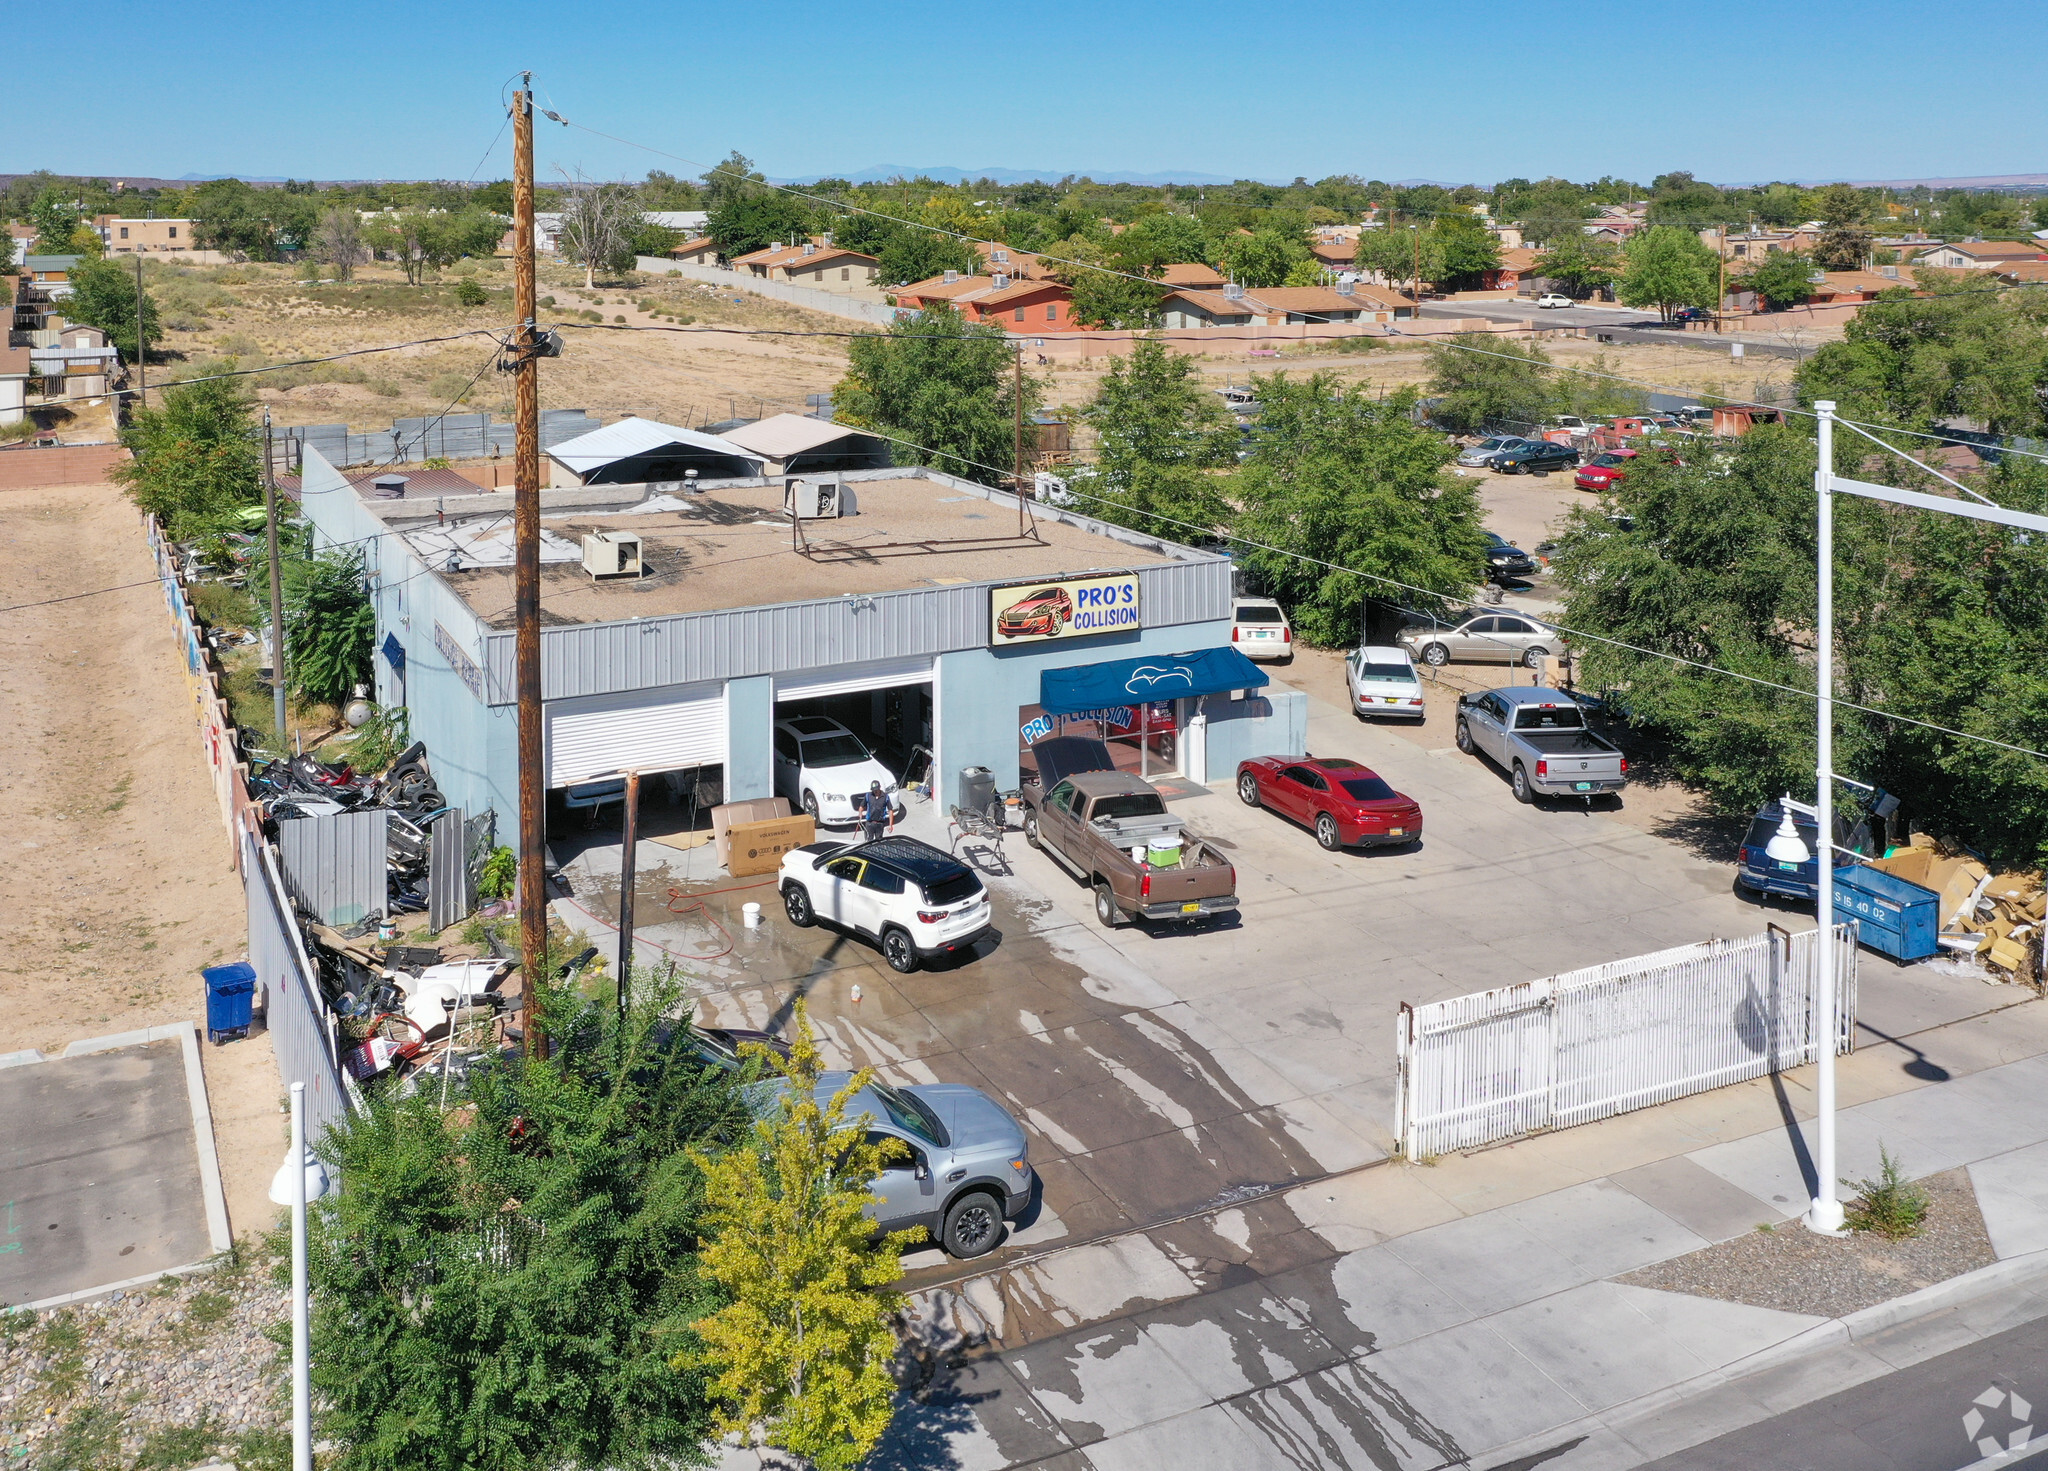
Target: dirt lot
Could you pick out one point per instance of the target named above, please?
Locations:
(118, 886)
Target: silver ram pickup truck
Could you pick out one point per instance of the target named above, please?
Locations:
(1539, 737)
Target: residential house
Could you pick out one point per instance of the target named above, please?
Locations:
(15, 368)
(144, 236)
(1023, 306)
(1517, 264)
(1273, 306)
(815, 262)
(1191, 308)
(1193, 276)
(48, 276)
(78, 355)
(690, 222)
(700, 251)
(1838, 287)
(948, 288)
(20, 238)
(2023, 272)
(1334, 249)
(1616, 222)
(1981, 255)
(1018, 265)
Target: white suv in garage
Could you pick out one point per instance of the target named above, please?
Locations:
(916, 901)
(825, 769)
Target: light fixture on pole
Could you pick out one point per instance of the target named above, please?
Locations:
(1786, 846)
(301, 1178)
(1825, 1212)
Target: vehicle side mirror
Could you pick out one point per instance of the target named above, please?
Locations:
(919, 1170)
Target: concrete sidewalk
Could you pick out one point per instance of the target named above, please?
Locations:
(1410, 1316)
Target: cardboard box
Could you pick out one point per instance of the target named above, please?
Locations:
(757, 847)
(755, 809)
(2007, 954)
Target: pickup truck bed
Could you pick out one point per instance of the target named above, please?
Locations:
(1539, 737)
(1090, 823)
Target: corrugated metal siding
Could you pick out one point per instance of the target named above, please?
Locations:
(448, 878)
(335, 866)
(607, 658)
(302, 1029)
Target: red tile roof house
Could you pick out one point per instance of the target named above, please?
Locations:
(1020, 307)
(1272, 306)
(815, 262)
(702, 251)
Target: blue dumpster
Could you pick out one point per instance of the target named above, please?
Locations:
(230, 1000)
(1893, 917)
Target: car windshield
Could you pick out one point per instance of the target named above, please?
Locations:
(834, 750)
(1399, 673)
(1128, 804)
(906, 1113)
(1610, 461)
(1497, 442)
(952, 890)
(1258, 613)
(1368, 788)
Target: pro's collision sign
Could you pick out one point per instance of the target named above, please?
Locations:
(1033, 612)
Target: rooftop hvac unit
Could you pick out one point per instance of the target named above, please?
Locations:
(814, 500)
(611, 554)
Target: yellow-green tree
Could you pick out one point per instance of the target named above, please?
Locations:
(802, 1352)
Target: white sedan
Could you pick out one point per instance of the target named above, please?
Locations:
(1554, 299)
(825, 769)
(1383, 682)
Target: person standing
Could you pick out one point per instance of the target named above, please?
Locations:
(875, 812)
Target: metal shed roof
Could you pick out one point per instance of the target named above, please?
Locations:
(631, 437)
(784, 435)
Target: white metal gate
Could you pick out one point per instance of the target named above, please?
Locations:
(641, 730)
(1601, 1041)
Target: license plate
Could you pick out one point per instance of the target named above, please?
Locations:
(1397, 832)
(1195, 908)
(1582, 786)
(1391, 699)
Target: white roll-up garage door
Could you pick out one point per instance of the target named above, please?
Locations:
(847, 679)
(642, 730)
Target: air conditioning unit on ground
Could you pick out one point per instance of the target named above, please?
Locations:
(611, 554)
(816, 500)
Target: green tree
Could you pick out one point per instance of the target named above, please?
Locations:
(1464, 250)
(103, 296)
(1111, 298)
(330, 626)
(1549, 212)
(55, 221)
(250, 223)
(1580, 266)
(1667, 266)
(1158, 432)
(1686, 203)
(512, 1286)
(1165, 240)
(1844, 242)
(1340, 476)
(801, 1352)
(1264, 257)
(1483, 383)
(664, 191)
(746, 214)
(196, 462)
(1782, 278)
(942, 388)
(908, 254)
(1392, 253)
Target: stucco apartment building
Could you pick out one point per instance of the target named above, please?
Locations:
(816, 262)
(1981, 255)
(145, 236)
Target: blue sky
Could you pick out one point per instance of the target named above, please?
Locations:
(1734, 91)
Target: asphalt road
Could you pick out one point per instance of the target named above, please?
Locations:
(1914, 1420)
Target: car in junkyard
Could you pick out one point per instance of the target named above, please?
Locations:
(1540, 738)
(1480, 456)
(1505, 559)
(1382, 682)
(1538, 457)
(1344, 803)
(1605, 470)
(915, 901)
(1485, 638)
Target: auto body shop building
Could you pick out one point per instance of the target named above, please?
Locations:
(937, 619)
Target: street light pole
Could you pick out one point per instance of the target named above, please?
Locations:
(1825, 1214)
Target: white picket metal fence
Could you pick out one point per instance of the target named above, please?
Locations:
(1610, 1038)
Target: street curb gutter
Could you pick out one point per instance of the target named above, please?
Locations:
(1837, 1333)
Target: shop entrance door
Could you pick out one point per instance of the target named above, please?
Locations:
(1145, 739)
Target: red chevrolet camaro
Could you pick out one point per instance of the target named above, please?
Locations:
(1043, 612)
(1346, 804)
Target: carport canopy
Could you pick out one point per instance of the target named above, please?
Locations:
(634, 451)
(1082, 687)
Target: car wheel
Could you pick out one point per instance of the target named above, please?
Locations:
(811, 805)
(1533, 658)
(1465, 738)
(1524, 793)
(1248, 789)
(974, 1225)
(899, 952)
(1106, 908)
(1166, 748)
(1436, 656)
(1327, 833)
(1031, 829)
(796, 903)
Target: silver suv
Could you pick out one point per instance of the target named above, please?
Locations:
(967, 1169)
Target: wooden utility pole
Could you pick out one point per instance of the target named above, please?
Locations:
(629, 875)
(533, 845)
(1721, 281)
(142, 347)
(276, 590)
(1017, 404)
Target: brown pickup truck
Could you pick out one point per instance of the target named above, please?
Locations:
(1094, 822)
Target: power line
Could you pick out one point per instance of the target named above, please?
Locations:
(74, 597)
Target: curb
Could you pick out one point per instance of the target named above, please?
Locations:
(1843, 1332)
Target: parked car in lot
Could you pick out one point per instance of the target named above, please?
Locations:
(1489, 638)
(1261, 630)
(961, 1165)
(1505, 559)
(1480, 455)
(1539, 737)
(1538, 457)
(1345, 804)
(1383, 682)
(915, 901)
(1112, 831)
(1606, 469)
(1551, 299)
(825, 769)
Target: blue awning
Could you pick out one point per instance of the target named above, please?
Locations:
(1157, 677)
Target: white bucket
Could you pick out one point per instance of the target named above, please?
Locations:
(751, 914)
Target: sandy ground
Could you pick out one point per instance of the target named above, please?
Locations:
(119, 885)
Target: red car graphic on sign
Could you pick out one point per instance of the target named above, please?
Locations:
(1044, 612)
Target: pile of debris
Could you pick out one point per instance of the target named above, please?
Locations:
(1996, 917)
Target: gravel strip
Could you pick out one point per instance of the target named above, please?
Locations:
(1792, 1269)
(156, 1358)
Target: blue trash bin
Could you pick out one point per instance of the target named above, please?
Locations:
(230, 1000)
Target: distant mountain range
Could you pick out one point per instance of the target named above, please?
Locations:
(882, 173)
